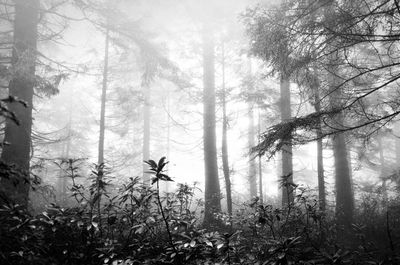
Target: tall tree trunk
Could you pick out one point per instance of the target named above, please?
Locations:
(62, 179)
(343, 182)
(344, 194)
(146, 131)
(168, 136)
(383, 173)
(100, 159)
(18, 137)
(287, 155)
(397, 149)
(225, 160)
(252, 173)
(212, 189)
(260, 174)
(320, 154)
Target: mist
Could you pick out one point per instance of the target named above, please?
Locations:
(199, 132)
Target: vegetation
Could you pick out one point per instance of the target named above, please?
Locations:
(238, 94)
(139, 225)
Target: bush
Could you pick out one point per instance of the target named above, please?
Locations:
(138, 225)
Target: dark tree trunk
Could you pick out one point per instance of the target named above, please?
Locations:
(287, 155)
(18, 137)
(225, 157)
(344, 194)
(212, 189)
(343, 182)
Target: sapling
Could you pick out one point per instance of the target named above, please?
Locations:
(157, 169)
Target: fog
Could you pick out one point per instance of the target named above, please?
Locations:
(282, 104)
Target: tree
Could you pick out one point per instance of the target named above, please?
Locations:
(343, 182)
(212, 189)
(18, 136)
(224, 151)
(252, 170)
(270, 42)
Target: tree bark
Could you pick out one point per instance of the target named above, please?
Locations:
(383, 173)
(260, 173)
(225, 156)
(18, 137)
(287, 153)
(100, 160)
(320, 155)
(212, 188)
(252, 170)
(344, 194)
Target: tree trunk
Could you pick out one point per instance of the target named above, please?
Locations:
(260, 175)
(166, 183)
(320, 155)
(18, 137)
(212, 188)
(146, 131)
(397, 148)
(252, 174)
(100, 160)
(287, 156)
(383, 173)
(344, 195)
(343, 182)
(225, 160)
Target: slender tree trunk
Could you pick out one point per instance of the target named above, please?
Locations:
(146, 131)
(252, 170)
(260, 175)
(18, 137)
(287, 154)
(212, 188)
(100, 162)
(225, 160)
(320, 155)
(252, 174)
(397, 148)
(64, 155)
(383, 173)
(168, 136)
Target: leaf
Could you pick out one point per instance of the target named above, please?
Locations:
(192, 243)
(95, 225)
(220, 245)
(208, 243)
(161, 163)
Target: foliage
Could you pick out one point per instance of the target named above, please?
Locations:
(138, 225)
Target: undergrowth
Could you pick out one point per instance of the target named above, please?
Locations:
(139, 225)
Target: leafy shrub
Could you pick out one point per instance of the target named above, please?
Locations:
(139, 225)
